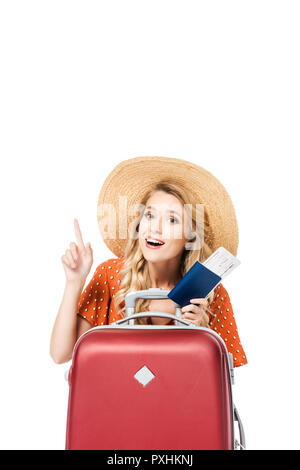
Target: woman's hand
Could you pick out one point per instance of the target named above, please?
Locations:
(194, 311)
(78, 260)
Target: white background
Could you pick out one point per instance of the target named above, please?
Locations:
(87, 84)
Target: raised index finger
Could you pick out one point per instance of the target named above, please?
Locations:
(78, 235)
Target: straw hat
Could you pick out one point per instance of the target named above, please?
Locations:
(126, 185)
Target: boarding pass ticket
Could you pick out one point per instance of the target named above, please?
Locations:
(221, 262)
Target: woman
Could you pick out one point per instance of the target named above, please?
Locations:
(169, 235)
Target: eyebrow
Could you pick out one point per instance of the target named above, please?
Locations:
(170, 210)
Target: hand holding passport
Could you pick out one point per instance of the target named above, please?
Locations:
(202, 278)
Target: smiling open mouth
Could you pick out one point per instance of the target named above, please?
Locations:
(152, 243)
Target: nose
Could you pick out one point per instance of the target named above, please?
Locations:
(156, 225)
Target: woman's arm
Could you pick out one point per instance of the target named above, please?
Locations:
(68, 326)
(224, 324)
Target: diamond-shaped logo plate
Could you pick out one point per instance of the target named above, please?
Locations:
(144, 376)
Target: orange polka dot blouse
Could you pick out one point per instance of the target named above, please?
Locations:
(96, 304)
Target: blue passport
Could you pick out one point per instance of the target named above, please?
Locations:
(196, 283)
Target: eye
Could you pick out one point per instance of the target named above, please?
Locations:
(174, 220)
(146, 215)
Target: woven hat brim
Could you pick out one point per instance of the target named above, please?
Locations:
(132, 178)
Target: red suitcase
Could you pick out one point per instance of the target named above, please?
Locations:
(151, 387)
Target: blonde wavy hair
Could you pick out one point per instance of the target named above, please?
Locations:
(135, 273)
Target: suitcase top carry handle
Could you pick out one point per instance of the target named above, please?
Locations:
(153, 314)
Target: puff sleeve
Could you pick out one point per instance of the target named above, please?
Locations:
(94, 300)
(224, 324)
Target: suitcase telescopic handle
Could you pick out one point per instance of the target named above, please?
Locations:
(152, 314)
(152, 293)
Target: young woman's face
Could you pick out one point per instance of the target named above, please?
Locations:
(162, 221)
